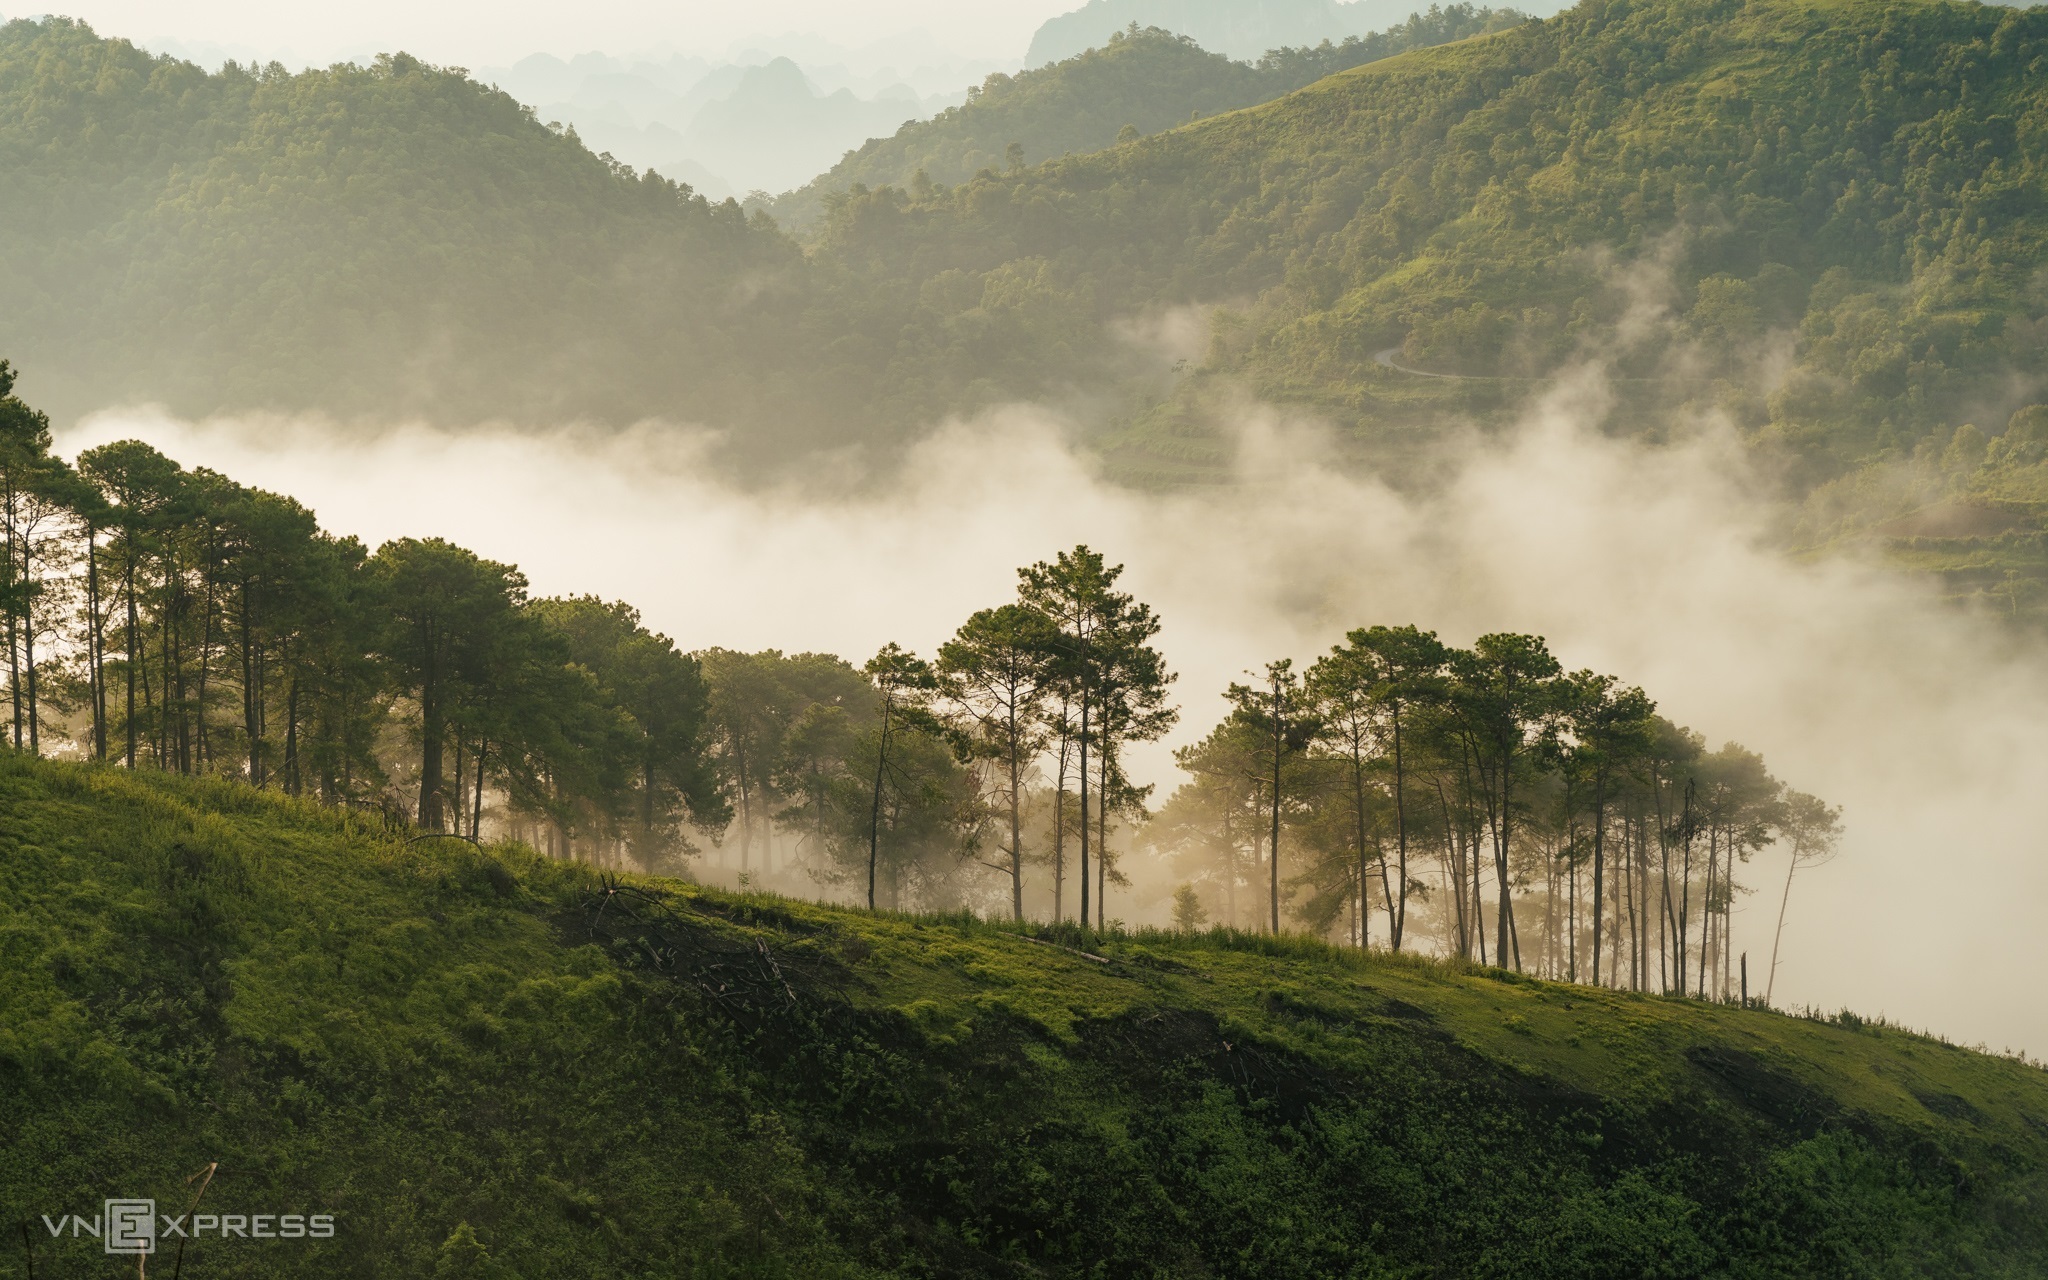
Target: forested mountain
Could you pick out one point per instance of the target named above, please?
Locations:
(1853, 186)
(1822, 220)
(384, 240)
(1139, 82)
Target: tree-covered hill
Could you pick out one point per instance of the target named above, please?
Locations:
(1825, 219)
(1138, 82)
(486, 1063)
(385, 240)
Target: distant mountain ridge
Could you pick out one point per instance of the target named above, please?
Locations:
(1137, 83)
(724, 129)
(774, 130)
(1241, 29)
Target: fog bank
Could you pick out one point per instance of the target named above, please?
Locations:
(1927, 727)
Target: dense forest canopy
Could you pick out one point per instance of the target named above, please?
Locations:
(1860, 178)
(378, 240)
(1241, 31)
(1822, 220)
(1819, 224)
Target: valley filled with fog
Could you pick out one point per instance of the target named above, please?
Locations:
(1926, 723)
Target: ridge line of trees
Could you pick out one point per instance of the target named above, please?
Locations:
(1609, 837)
(175, 620)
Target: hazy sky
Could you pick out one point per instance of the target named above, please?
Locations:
(475, 33)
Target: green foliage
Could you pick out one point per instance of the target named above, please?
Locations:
(417, 681)
(1966, 511)
(485, 1065)
(1852, 178)
(1818, 220)
(1141, 82)
(357, 240)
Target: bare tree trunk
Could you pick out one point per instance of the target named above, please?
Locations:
(1059, 828)
(1683, 922)
(1778, 936)
(1478, 897)
(96, 643)
(457, 790)
(1102, 831)
(1505, 923)
(28, 636)
(1454, 869)
(132, 660)
(1398, 926)
(294, 785)
(431, 730)
(1572, 915)
(1599, 869)
(476, 813)
(205, 745)
(1364, 929)
(1550, 878)
(1278, 743)
(1230, 867)
(1016, 818)
(1084, 809)
(875, 830)
(14, 615)
(250, 693)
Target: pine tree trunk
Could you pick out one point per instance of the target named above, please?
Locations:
(250, 694)
(132, 660)
(1084, 810)
(875, 830)
(1278, 731)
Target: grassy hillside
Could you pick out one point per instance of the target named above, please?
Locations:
(487, 1065)
(1137, 83)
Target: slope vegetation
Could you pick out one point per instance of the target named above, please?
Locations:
(391, 239)
(1138, 82)
(1825, 220)
(487, 1064)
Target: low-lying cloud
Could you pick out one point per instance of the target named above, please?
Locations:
(1655, 564)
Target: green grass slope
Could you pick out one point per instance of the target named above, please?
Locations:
(485, 1064)
(1825, 219)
